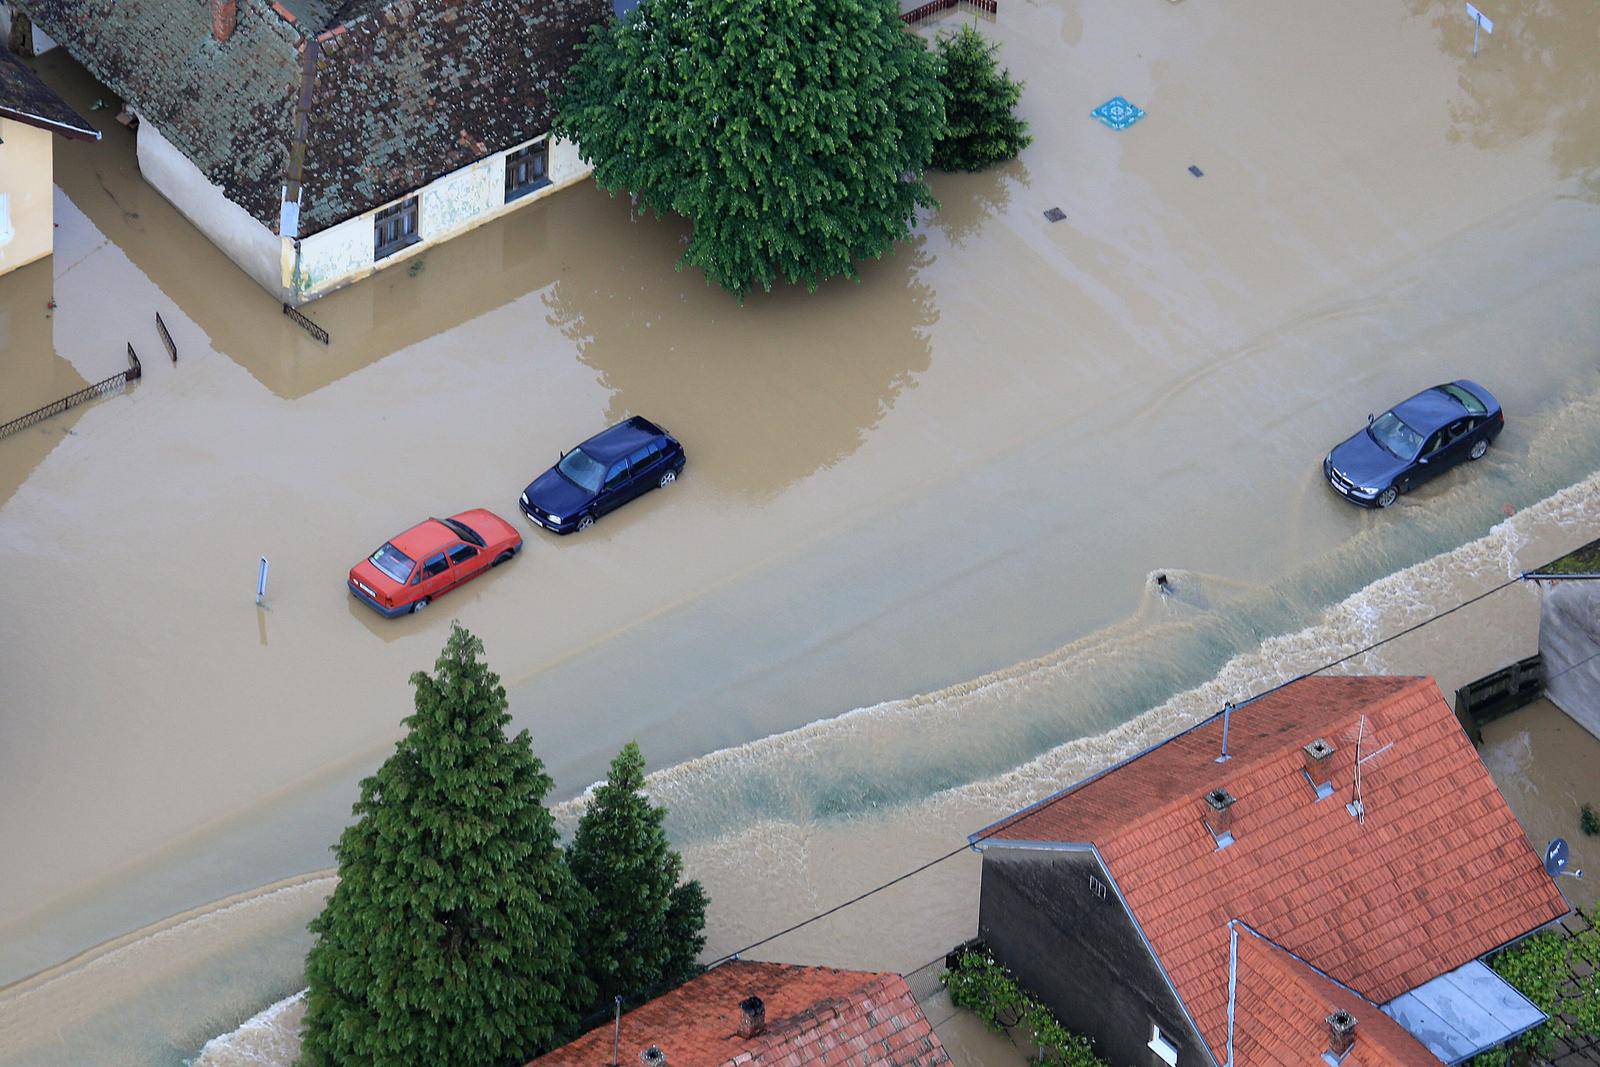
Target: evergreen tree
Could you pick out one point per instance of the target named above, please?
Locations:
(644, 929)
(451, 937)
(981, 126)
(792, 133)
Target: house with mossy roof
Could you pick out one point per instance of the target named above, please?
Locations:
(317, 141)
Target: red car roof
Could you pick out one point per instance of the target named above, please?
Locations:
(424, 538)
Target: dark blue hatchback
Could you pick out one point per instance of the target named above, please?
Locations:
(603, 473)
(1414, 441)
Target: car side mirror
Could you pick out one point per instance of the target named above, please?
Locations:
(1369, 418)
(1422, 459)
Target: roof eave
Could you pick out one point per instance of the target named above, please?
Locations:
(76, 133)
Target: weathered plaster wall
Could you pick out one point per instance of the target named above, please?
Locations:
(230, 227)
(1569, 638)
(450, 206)
(28, 225)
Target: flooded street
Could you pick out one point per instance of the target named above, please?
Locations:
(905, 583)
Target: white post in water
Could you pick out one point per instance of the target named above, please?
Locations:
(1480, 21)
(261, 580)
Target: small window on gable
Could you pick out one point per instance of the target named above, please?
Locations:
(1162, 1047)
(394, 228)
(1097, 887)
(527, 169)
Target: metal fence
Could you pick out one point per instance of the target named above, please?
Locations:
(306, 324)
(934, 7)
(87, 393)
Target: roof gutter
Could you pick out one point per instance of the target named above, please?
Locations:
(76, 133)
(1111, 880)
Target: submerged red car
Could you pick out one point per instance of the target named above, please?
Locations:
(411, 571)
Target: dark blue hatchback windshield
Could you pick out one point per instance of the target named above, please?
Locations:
(581, 469)
(393, 562)
(1398, 439)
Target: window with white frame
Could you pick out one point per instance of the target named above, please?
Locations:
(527, 169)
(1163, 1047)
(394, 228)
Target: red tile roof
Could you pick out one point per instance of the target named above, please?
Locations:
(815, 1015)
(1440, 873)
(1290, 1002)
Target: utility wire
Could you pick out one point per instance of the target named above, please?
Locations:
(1047, 804)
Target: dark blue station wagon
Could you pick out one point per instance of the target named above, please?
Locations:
(1414, 441)
(603, 473)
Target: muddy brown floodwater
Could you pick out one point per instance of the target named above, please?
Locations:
(922, 512)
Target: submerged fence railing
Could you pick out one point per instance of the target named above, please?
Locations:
(306, 324)
(88, 392)
(934, 7)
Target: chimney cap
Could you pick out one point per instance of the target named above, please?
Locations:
(1341, 1022)
(752, 1017)
(653, 1056)
(1219, 799)
(1320, 749)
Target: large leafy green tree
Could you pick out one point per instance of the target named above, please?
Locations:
(451, 938)
(792, 133)
(644, 929)
(982, 127)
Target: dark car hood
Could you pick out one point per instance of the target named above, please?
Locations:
(552, 492)
(1365, 462)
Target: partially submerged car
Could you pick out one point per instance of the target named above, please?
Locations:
(1414, 441)
(603, 473)
(416, 568)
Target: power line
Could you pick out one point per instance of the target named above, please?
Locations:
(1045, 805)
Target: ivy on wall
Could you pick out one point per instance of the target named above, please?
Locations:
(985, 988)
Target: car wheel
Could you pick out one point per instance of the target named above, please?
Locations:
(668, 478)
(585, 522)
(1478, 450)
(1388, 497)
(502, 557)
(419, 605)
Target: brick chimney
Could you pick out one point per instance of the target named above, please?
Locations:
(1341, 1036)
(752, 1017)
(1318, 756)
(1219, 814)
(223, 14)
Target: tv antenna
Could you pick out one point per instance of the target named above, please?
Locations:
(1555, 860)
(1357, 807)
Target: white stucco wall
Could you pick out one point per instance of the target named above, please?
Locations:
(230, 227)
(455, 203)
(27, 205)
(1569, 637)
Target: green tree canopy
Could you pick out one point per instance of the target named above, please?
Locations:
(792, 133)
(982, 127)
(451, 936)
(643, 929)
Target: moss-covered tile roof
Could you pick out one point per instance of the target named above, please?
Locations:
(403, 92)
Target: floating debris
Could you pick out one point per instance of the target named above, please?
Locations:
(1196, 171)
(1118, 113)
(1055, 214)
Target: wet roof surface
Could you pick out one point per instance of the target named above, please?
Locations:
(26, 99)
(619, 440)
(1439, 872)
(1467, 1011)
(1429, 410)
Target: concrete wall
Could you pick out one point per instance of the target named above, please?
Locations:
(1569, 638)
(254, 247)
(447, 207)
(1081, 954)
(27, 225)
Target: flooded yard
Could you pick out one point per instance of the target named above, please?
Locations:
(906, 579)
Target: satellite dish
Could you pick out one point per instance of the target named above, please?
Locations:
(1555, 857)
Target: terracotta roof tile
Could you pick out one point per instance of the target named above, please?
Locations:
(814, 1015)
(1440, 872)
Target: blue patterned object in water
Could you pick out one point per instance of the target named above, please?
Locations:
(1118, 113)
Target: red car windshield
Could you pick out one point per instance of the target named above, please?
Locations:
(393, 562)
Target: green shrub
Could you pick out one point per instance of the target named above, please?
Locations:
(985, 988)
(1544, 968)
(981, 127)
(1588, 821)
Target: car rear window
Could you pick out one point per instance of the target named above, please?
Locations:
(465, 532)
(582, 469)
(1473, 405)
(393, 562)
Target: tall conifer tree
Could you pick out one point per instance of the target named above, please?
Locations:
(451, 936)
(644, 929)
(982, 126)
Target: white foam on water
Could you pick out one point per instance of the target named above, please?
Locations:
(268, 1037)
